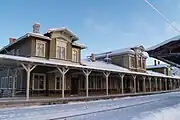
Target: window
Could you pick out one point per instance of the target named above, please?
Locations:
(61, 49)
(2, 82)
(144, 64)
(74, 55)
(18, 52)
(39, 81)
(58, 83)
(60, 52)
(10, 82)
(40, 48)
(139, 62)
(13, 52)
(133, 62)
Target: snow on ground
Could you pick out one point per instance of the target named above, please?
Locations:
(140, 108)
(168, 113)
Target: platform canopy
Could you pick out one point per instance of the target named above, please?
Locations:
(167, 51)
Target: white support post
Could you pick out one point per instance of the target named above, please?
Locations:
(122, 82)
(144, 83)
(14, 82)
(28, 69)
(160, 83)
(87, 73)
(106, 74)
(138, 85)
(156, 84)
(63, 71)
(150, 84)
(166, 83)
(134, 79)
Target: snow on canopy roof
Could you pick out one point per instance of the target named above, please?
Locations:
(79, 45)
(157, 66)
(26, 36)
(120, 51)
(155, 73)
(103, 65)
(62, 29)
(99, 65)
(164, 42)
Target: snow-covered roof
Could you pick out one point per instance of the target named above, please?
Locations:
(62, 29)
(157, 66)
(79, 45)
(86, 64)
(164, 42)
(26, 36)
(128, 50)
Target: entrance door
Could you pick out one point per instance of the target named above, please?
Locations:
(74, 85)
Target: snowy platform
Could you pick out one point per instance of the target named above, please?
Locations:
(19, 101)
(151, 107)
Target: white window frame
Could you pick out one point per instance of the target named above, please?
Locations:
(13, 51)
(17, 52)
(41, 42)
(2, 81)
(74, 58)
(60, 85)
(62, 44)
(9, 82)
(39, 74)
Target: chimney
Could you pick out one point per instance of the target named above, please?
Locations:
(11, 40)
(158, 62)
(36, 28)
(155, 62)
(93, 58)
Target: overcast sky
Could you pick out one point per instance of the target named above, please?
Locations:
(100, 24)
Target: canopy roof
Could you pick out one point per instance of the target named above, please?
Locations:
(85, 64)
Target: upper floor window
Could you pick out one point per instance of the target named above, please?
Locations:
(40, 48)
(139, 62)
(17, 52)
(60, 50)
(144, 64)
(133, 62)
(74, 55)
(13, 52)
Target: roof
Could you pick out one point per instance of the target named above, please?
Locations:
(157, 66)
(62, 29)
(120, 52)
(164, 42)
(26, 36)
(79, 45)
(98, 65)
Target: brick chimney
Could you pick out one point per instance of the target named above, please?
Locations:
(11, 40)
(36, 28)
(93, 58)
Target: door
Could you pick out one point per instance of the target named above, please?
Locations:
(74, 85)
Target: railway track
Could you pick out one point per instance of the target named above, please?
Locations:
(107, 110)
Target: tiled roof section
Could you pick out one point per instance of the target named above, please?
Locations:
(62, 29)
(163, 43)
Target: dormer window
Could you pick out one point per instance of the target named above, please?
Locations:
(40, 48)
(74, 55)
(61, 49)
